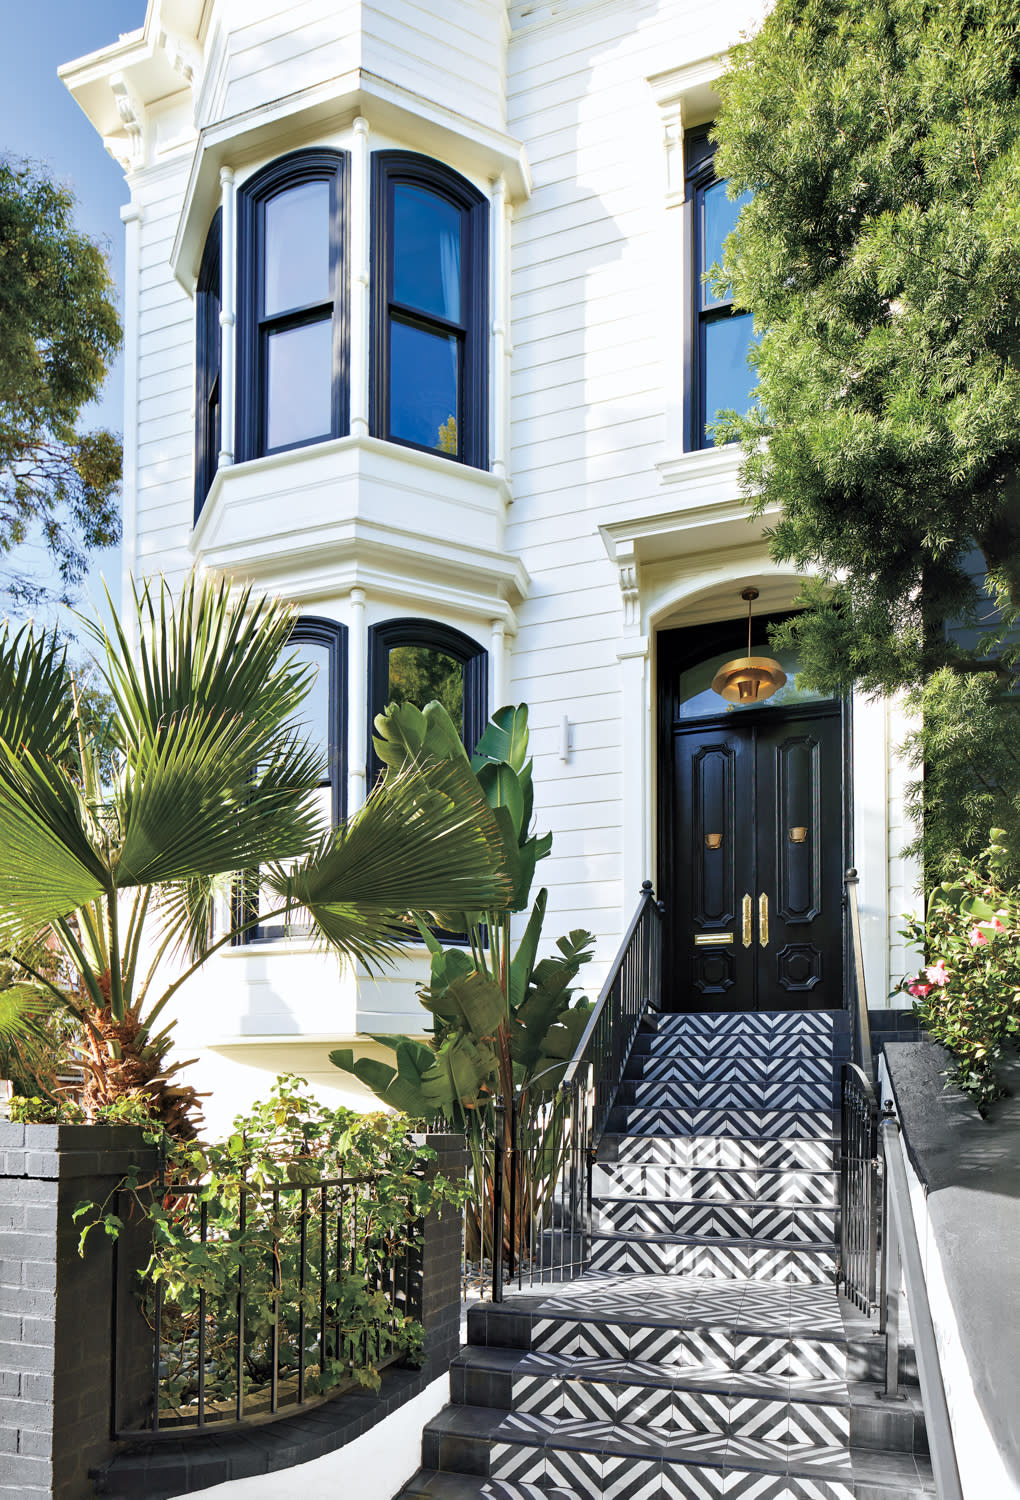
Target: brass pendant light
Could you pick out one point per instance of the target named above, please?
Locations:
(749, 679)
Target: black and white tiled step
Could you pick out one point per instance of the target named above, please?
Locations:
(630, 1180)
(705, 1046)
(786, 1263)
(712, 1218)
(722, 1093)
(435, 1484)
(781, 1067)
(719, 1152)
(735, 1120)
(775, 1024)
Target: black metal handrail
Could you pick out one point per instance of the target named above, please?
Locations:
(860, 1027)
(544, 1141)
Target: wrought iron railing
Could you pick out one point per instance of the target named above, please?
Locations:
(859, 1203)
(537, 1216)
(266, 1308)
(860, 1027)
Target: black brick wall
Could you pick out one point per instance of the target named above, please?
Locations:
(55, 1320)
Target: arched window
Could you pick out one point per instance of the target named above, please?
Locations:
(719, 334)
(292, 385)
(429, 347)
(322, 718)
(207, 365)
(416, 661)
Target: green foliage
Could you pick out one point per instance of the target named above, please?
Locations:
(285, 1155)
(199, 774)
(61, 333)
(967, 753)
(968, 995)
(881, 142)
(423, 674)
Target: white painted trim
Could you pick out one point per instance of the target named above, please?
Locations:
(374, 1467)
(498, 284)
(131, 216)
(360, 211)
(228, 316)
(357, 703)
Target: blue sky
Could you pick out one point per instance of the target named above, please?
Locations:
(39, 119)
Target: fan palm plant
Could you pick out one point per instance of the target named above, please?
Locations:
(207, 774)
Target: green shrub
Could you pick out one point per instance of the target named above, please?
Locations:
(968, 995)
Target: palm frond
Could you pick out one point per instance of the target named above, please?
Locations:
(186, 911)
(23, 1011)
(36, 708)
(425, 842)
(215, 777)
(49, 864)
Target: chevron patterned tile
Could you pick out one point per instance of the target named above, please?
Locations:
(742, 1484)
(816, 1189)
(786, 1023)
(794, 1124)
(653, 1044)
(816, 1226)
(818, 1424)
(668, 1068)
(652, 1217)
(590, 1401)
(687, 1483)
(755, 1094)
(760, 1263)
(517, 1464)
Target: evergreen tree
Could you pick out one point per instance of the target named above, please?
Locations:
(881, 141)
(60, 334)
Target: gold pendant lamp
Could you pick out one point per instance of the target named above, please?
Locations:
(749, 679)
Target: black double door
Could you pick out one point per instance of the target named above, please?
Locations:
(757, 858)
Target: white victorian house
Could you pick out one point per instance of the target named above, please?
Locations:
(416, 336)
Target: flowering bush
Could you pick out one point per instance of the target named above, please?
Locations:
(968, 995)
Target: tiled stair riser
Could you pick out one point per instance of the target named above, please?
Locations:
(805, 1266)
(757, 1094)
(753, 1124)
(723, 1153)
(629, 1180)
(767, 1221)
(780, 1067)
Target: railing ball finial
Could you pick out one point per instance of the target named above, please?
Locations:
(646, 885)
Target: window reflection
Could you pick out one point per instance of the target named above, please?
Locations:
(426, 252)
(728, 379)
(297, 248)
(424, 674)
(424, 381)
(299, 384)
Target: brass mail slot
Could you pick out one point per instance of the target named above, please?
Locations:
(712, 939)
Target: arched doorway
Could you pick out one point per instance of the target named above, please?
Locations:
(752, 833)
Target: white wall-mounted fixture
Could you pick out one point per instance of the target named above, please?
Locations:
(566, 738)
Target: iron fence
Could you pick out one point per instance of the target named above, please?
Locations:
(276, 1295)
(536, 1152)
(859, 1188)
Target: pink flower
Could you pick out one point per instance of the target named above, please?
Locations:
(977, 937)
(937, 972)
(918, 990)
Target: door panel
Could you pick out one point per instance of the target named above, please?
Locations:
(799, 864)
(756, 914)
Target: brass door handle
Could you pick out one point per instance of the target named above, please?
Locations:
(763, 919)
(747, 918)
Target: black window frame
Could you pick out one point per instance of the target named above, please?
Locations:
(390, 168)
(208, 363)
(319, 631)
(293, 170)
(699, 176)
(407, 631)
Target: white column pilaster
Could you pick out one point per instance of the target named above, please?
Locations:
(498, 301)
(228, 315)
(497, 665)
(131, 217)
(632, 654)
(360, 279)
(357, 703)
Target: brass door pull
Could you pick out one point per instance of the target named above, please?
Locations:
(763, 919)
(747, 919)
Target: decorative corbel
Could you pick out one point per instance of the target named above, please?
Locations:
(182, 58)
(673, 135)
(127, 149)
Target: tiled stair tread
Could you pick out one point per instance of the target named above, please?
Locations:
(716, 1379)
(433, 1484)
(750, 1124)
(709, 1152)
(631, 1440)
(628, 1182)
(714, 1241)
(648, 1200)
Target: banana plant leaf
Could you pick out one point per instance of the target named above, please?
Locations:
(505, 738)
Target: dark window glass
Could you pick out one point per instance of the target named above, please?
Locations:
(426, 252)
(321, 717)
(298, 381)
(425, 674)
(292, 304)
(297, 248)
(207, 366)
(429, 351)
(720, 335)
(424, 372)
